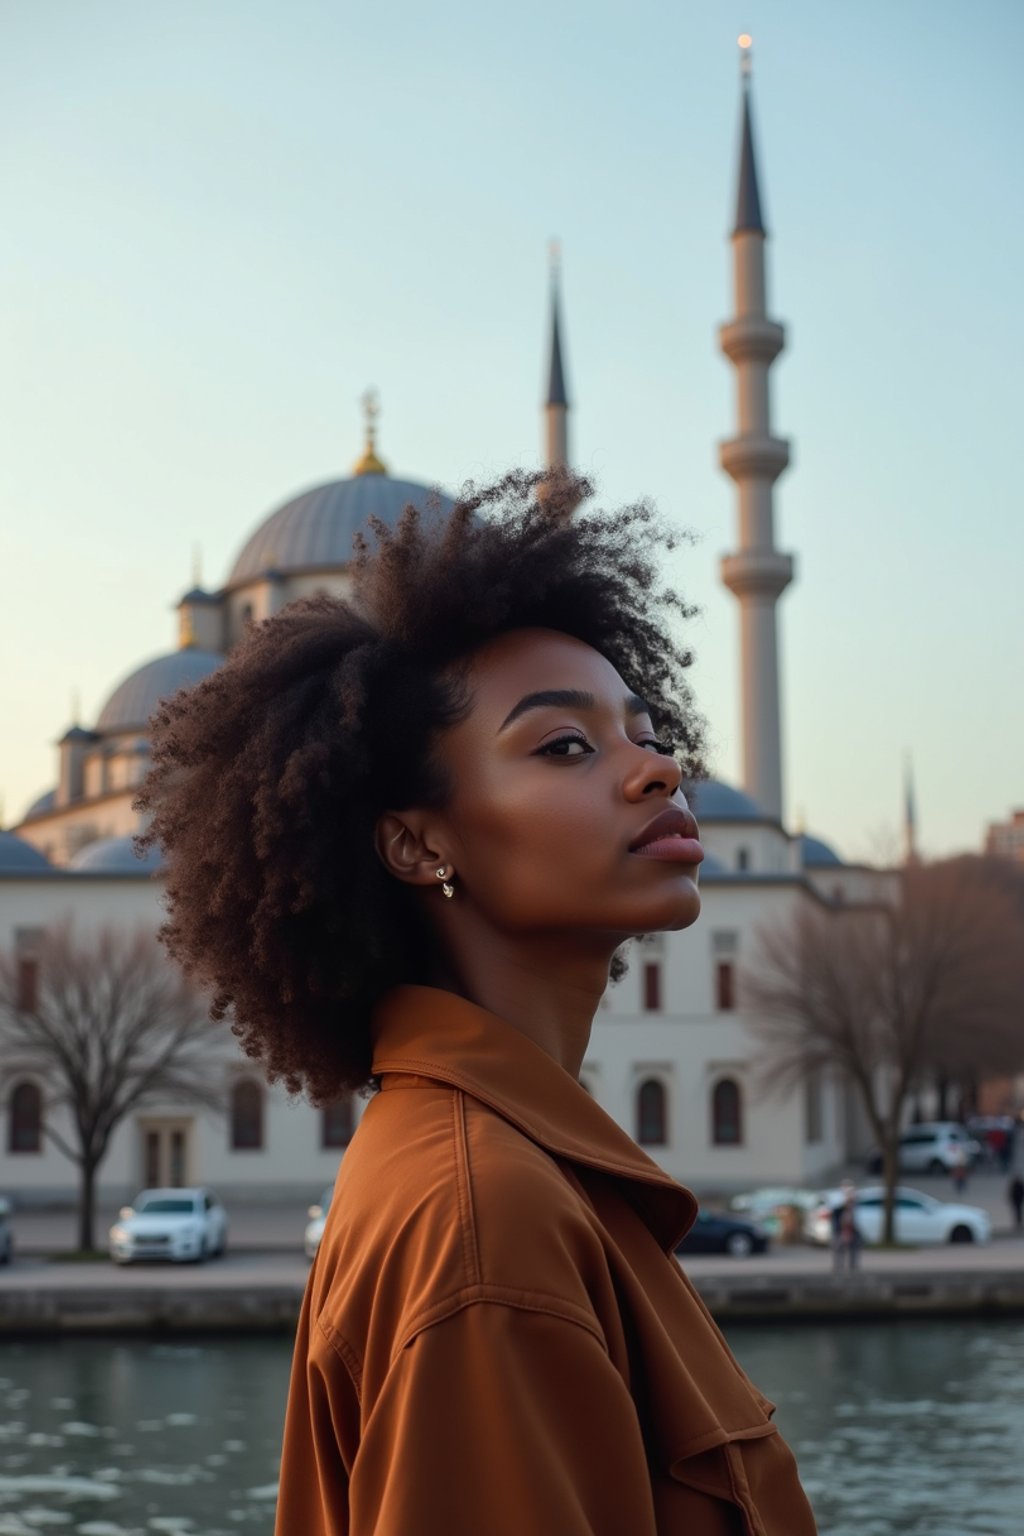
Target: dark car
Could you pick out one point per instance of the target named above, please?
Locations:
(715, 1232)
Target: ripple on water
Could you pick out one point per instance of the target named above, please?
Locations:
(58, 1482)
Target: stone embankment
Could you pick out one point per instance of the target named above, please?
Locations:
(254, 1293)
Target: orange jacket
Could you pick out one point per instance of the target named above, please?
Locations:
(496, 1339)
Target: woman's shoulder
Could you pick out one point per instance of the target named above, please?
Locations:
(441, 1199)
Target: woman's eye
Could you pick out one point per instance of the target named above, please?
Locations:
(663, 748)
(562, 747)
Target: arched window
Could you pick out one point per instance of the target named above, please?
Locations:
(726, 1113)
(743, 858)
(246, 1116)
(336, 1123)
(25, 1118)
(651, 1113)
(652, 985)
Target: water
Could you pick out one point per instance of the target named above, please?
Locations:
(104, 1437)
(901, 1429)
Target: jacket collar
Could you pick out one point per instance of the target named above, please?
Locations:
(442, 1037)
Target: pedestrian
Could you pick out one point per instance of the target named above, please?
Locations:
(1015, 1195)
(407, 833)
(958, 1167)
(846, 1236)
(1006, 1147)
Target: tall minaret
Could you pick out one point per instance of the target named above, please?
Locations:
(757, 574)
(556, 405)
(910, 853)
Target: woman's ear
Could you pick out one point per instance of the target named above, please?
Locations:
(407, 848)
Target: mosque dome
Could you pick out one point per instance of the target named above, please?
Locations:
(19, 857)
(314, 531)
(712, 866)
(43, 803)
(814, 854)
(712, 800)
(134, 700)
(115, 856)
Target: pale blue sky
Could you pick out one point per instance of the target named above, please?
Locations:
(225, 218)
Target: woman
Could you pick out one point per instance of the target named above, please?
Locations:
(408, 835)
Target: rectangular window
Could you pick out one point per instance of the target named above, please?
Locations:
(813, 1089)
(725, 992)
(28, 984)
(336, 1124)
(652, 985)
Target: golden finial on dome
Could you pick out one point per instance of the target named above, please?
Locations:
(370, 464)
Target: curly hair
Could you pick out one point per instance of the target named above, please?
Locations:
(268, 777)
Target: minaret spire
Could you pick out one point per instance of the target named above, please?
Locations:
(748, 198)
(757, 574)
(556, 404)
(910, 853)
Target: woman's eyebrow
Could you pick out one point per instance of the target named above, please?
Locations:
(567, 698)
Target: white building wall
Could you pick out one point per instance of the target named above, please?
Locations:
(687, 1044)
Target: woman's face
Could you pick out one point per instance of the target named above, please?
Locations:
(557, 775)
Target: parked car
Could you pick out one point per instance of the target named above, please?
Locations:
(176, 1224)
(717, 1232)
(317, 1221)
(929, 1148)
(919, 1218)
(6, 1236)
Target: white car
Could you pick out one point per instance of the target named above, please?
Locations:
(317, 1221)
(918, 1218)
(176, 1224)
(932, 1147)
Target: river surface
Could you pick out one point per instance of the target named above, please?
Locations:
(901, 1429)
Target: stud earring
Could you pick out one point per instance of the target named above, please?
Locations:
(446, 885)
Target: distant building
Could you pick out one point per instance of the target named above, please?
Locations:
(671, 1051)
(1005, 839)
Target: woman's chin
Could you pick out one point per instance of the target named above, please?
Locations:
(680, 911)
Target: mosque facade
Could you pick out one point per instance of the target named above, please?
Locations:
(672, 1055)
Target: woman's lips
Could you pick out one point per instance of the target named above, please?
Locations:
(682, 850)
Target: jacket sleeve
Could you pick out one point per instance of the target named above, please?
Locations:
(504, 1421)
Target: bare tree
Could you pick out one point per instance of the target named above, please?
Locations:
(108, 1026)
(884, 993)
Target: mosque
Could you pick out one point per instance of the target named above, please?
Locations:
(671, 1056)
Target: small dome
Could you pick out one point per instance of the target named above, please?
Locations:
(711, 800)
(814, 854)
(116, 856)
(19, 857)
(712, 866)
(44, 803)
(314, 531)
(134, 700)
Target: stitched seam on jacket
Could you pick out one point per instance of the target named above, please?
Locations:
(741, 1490)
(346, 1354)
(503, 1296)
(439, 1073)
(464, 1187)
